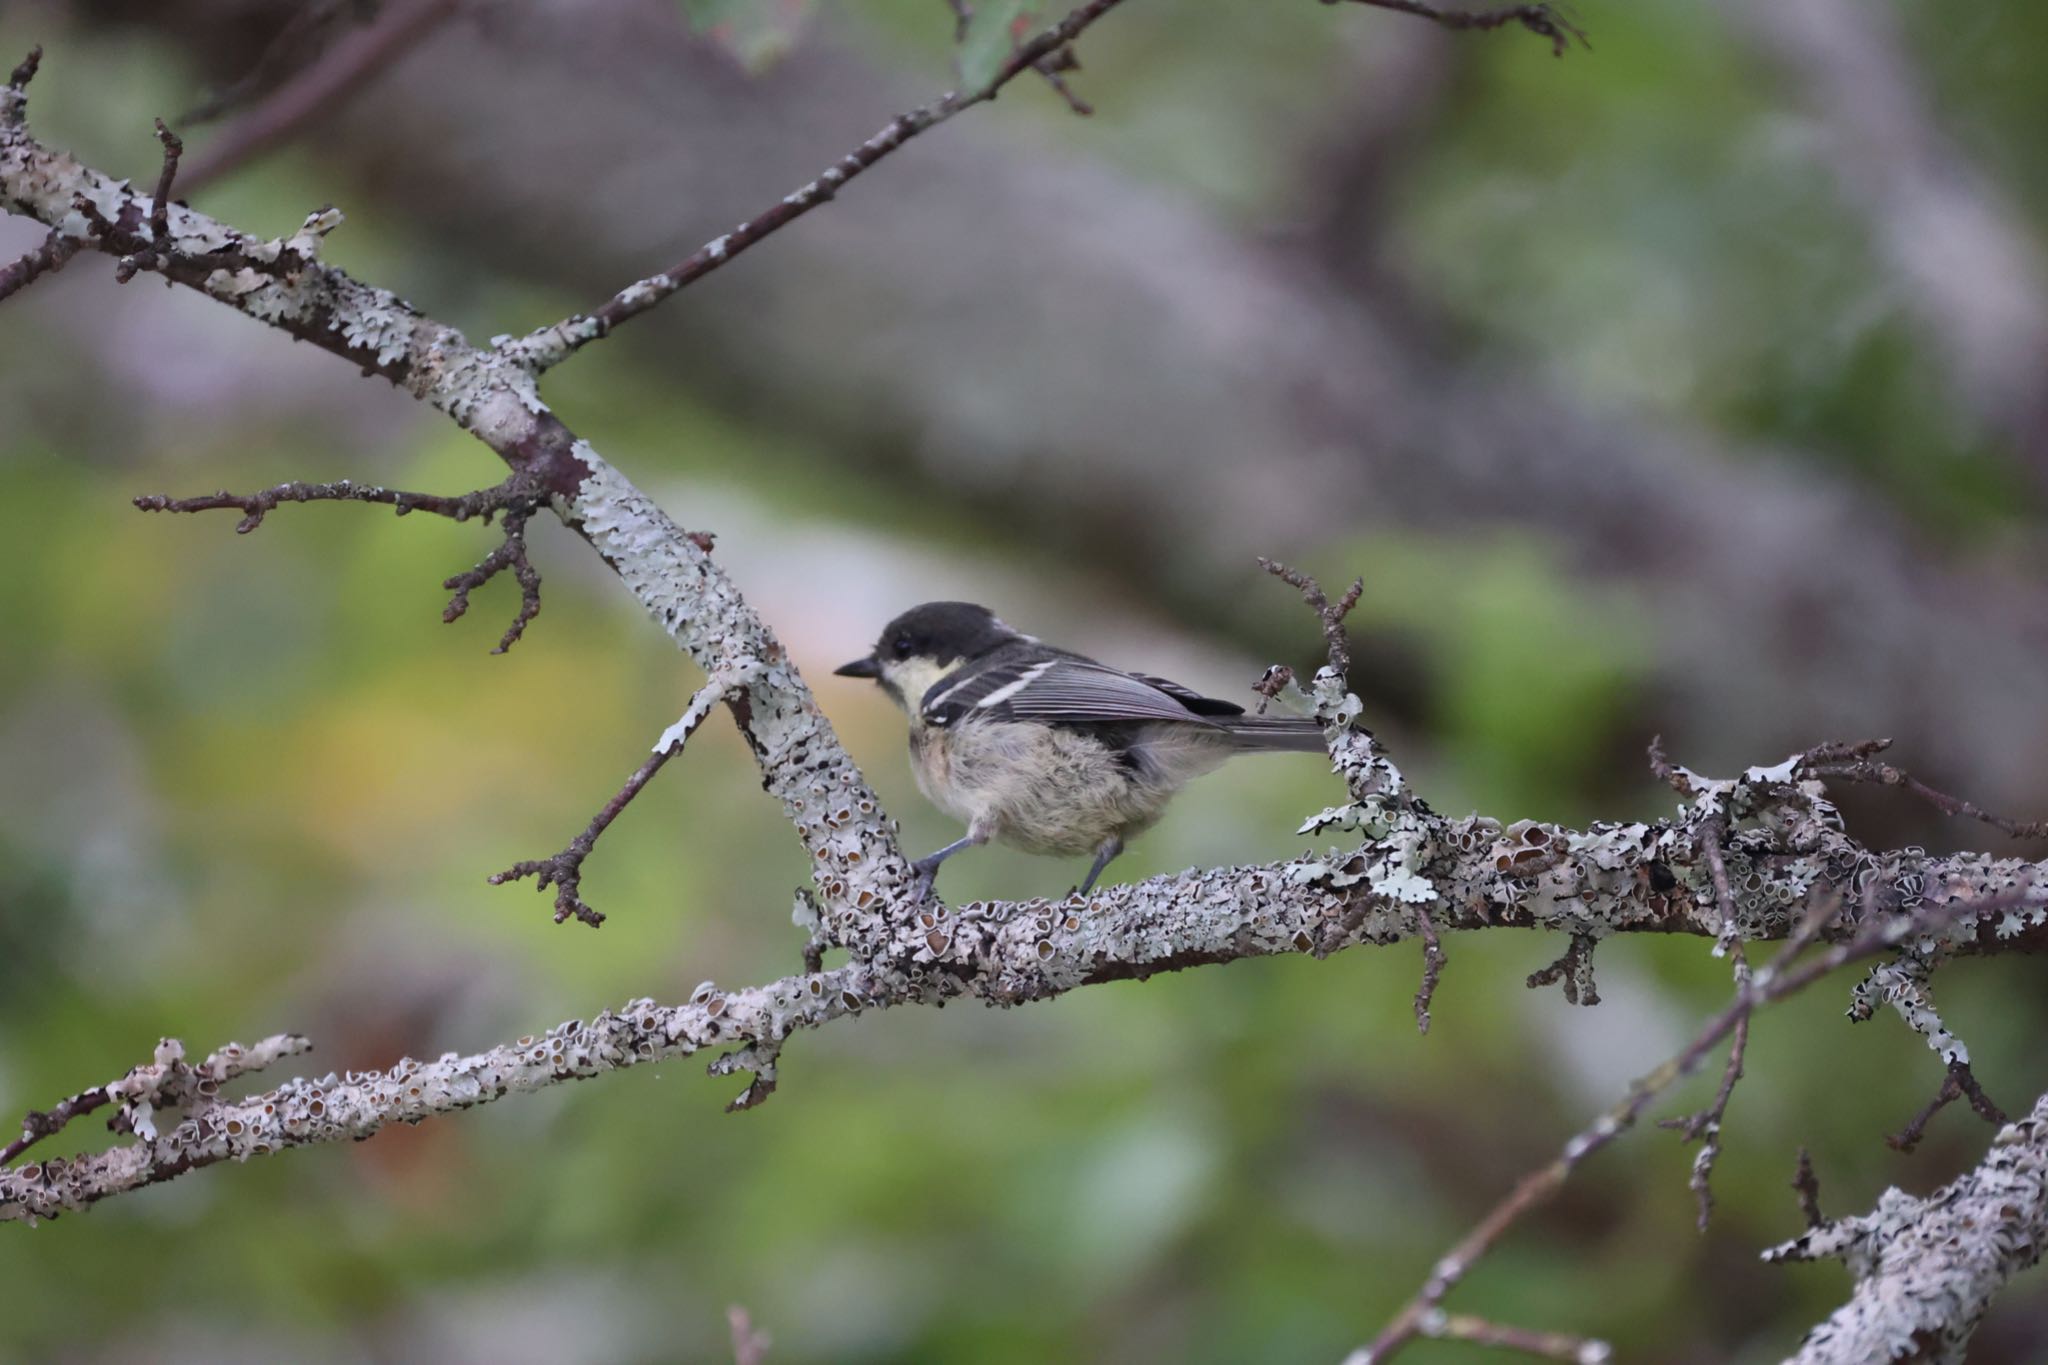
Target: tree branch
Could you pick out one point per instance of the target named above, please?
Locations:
(46, 259)
(1857, 763)
(312, 92)
(547, 347)
(1760, 856)
(857, 866)
(564, 870)
(1927, 1269)
(515, 498)
(1014, 953)
(1784, 975)
(1545, 21)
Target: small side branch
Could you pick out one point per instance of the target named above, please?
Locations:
(322, 86)
(513, 498)
(1857, 763)
(1331, 614)
(165, 1082)
(46, 259)
(564, 870)
(550, 345)
(1959, 1083)
(1915, 1294)
(255, 506)
(510, 554)
(1806, 1185)
(1545, 21)
(159, 248)
(1573, 971)
(1903, 984)
(25, 70)
(963, 17)
(1784, 975)
(1704, 1127)
(1433, 960)
(1441, 1326)
(38, 1124)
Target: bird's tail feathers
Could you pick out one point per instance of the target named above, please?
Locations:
(1275, 734)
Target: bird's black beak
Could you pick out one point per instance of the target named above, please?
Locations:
(859, 668)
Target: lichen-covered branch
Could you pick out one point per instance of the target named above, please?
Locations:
(283, 282)
(1014, 953)
(1789, 972)
(45, 259)
(166, 1081)
(1927, 1269)
(1763, 856)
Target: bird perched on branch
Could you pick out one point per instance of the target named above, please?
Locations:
(1047, 750)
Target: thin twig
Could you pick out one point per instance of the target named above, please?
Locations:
(1807, 1186)
(963, 17)
(1331, 614)
(564, 870)
(513, 498)
(550, 345)
(1855, 763)
(1711, 836)
(1959, 1082)
(1704, 1126)
(165, 1082)
(321, 87)
(509, 554)
(1054, 68)
(25, 70)
(46, 259)
(39, 1124)
(1667, 772)
(1543, 20)
(255, 506)
(159, 247)
(278, 60)
(1573, 971)
(1782, 977)
(1433, 960)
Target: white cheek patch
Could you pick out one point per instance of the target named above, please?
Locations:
(912, 678)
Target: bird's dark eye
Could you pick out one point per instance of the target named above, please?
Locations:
(900, 646)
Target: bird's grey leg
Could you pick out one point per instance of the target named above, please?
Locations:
(1111, 846)
(927, 867)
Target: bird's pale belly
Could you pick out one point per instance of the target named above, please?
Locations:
(1035, 787)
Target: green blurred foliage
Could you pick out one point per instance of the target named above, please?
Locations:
(252, 784)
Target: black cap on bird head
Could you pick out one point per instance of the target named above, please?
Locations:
(943, 631)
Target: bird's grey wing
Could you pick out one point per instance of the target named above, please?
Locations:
(1193, 700)
(1062, 690)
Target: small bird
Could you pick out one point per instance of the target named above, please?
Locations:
(1047, 750)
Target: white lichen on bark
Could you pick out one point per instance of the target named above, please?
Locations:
(1780, 840)
(1927, 1269)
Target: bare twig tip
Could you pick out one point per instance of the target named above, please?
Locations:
(26, 71)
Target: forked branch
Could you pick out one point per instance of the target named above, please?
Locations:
(515, 499)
